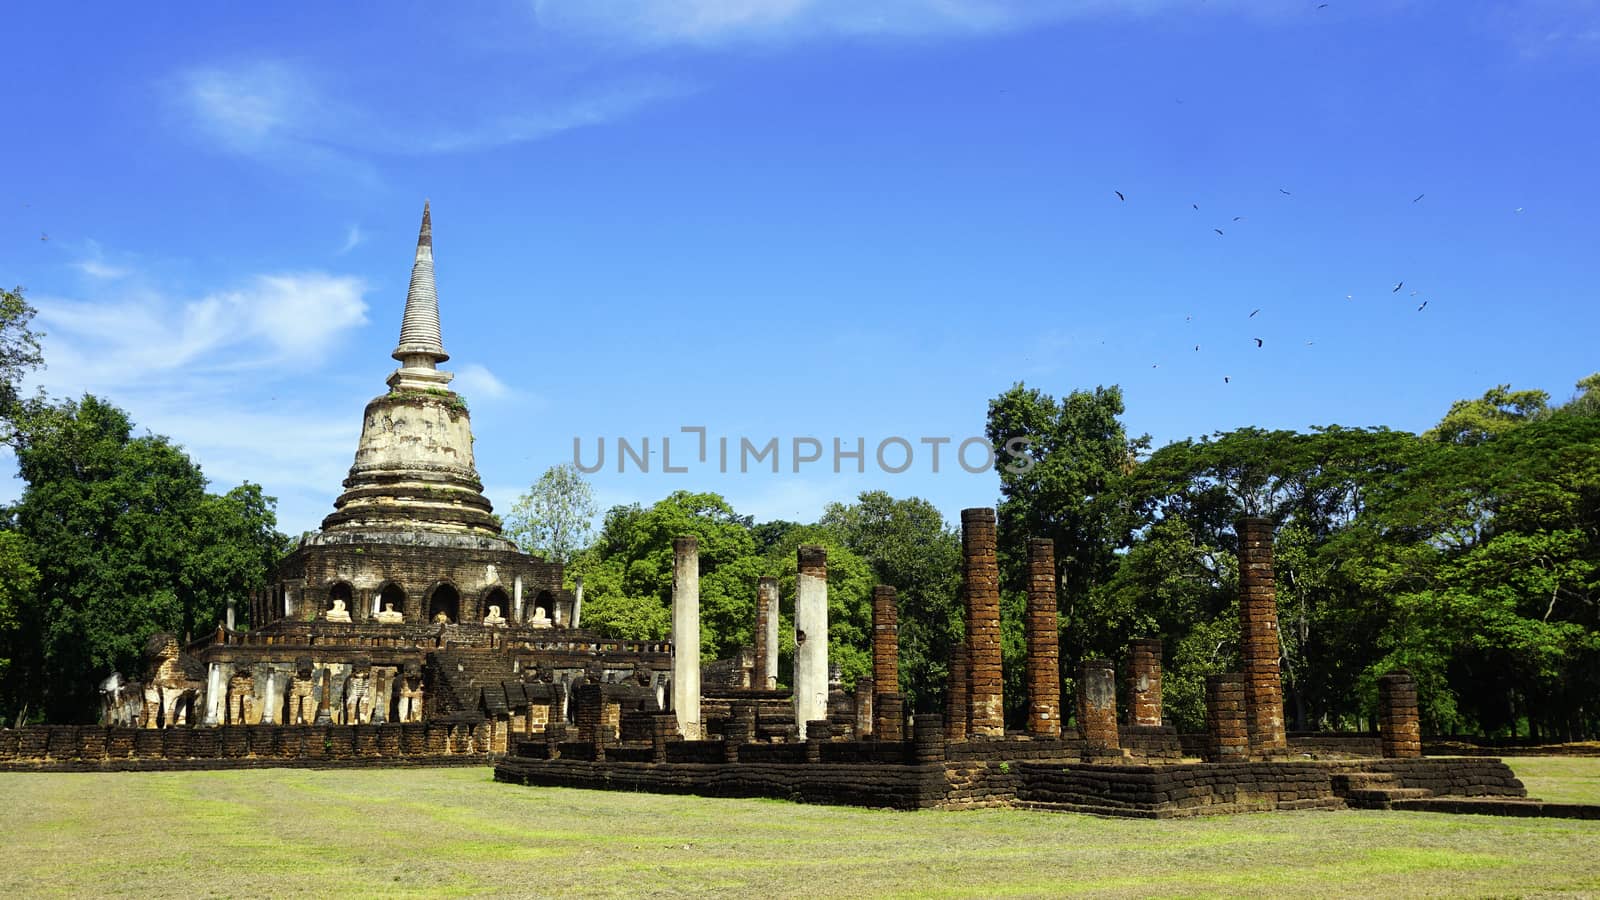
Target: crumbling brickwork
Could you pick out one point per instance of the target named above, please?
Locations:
(981, 577)
(1144, 682)
(1227, 725)
(1097, 705)
(1044, 662)
(1258, 636)
(957, 707)
(1399, 724)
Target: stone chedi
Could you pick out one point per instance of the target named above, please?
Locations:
(409, 605)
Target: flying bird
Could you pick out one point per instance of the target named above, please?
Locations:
(1195, 205)
(1120, 197)
(1397, 287)
(1258, 342)
(1284, 192)
(1349, 296)
(1419, 197)
(44, 237)
(1217, 230)
(1238, 218)
(1517, 210)
(1226, 379)
(1197, 348)
(1252, 314)
(1423, 306)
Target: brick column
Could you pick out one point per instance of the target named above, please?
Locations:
(956, 692)
(1144, 682)
(885, 640)
(810, 637)
(1097, 704)
(928, 741)
(981, 575)
(1399, 724)
(1044, 656)
(686, 635)
(889, 717)
(766, 674)
(1227, 730)
(862, 708)
(1258, 636)
(888, 707)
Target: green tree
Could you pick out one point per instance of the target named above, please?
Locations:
(554, 518)
(909, 547)
(19, 354)
(127, 542)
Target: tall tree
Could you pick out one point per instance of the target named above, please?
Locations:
(554, 518)
(19, 354)
(127, 542)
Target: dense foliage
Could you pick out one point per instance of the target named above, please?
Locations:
(1469, 555)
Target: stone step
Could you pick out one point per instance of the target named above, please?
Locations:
(1364, 780)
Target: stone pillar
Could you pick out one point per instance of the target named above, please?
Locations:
(1399, 716)
(1044, 655)
(270, 701)
(1144, 682)
(766, 675)
(686, 635)
(577, 601)
(1097, 704)
(863, 708)
(516, 600)
(981, 575)
(1258, 636)
(956, 705)
(216, 695)
(811, 637)
(1227, 728)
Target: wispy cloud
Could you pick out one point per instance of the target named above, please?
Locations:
(709, 22)
(474, 380)
(267, 320)
(94, 264)
(352, 239)
(280, 111)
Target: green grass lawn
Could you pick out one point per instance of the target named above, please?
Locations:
(1573, 779)
(454, 831)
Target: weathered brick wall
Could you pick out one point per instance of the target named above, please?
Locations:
(1227, 723)
(1044, 657)
(95, 747)
(957, 691)
(1144, 682)
(981, 577)
(1097, 704)
(1399, 721)
(1258, 634)
(885, 639)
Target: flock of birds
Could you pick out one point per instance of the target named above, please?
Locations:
(1260, 343)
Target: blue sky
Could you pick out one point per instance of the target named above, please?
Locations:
(784, 218)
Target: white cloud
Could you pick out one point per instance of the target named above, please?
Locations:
(94, 264)
(721, 21)
(353, 238)
(278, 111)
(474, 380)
(268, 320)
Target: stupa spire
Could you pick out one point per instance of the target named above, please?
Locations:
(420, 344)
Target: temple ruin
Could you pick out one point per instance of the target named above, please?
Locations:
(410, 630)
